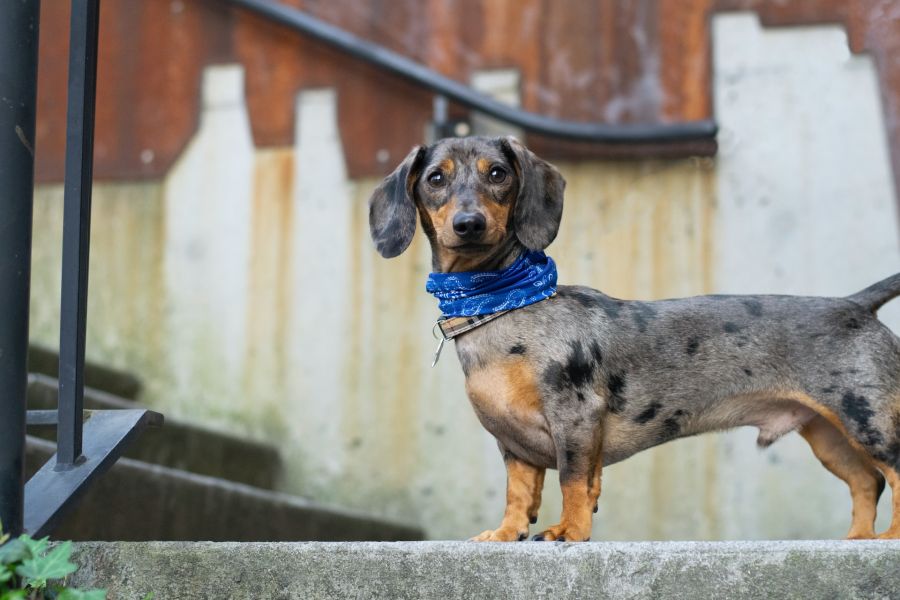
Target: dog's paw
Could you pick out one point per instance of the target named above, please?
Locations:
(861, 535)
(503, 534)
(563, 533)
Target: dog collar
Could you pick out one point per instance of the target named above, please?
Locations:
(450, 328)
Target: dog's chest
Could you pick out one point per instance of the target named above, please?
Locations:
(506, 399)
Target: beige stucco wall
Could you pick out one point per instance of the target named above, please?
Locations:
(245, 291)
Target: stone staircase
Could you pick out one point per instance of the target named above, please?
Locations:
(185, 482)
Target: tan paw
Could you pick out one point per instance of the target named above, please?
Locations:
(861, 535)
(563, 533)
(504, 534)
(890, 534)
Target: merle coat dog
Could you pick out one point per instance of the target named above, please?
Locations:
(583, 380)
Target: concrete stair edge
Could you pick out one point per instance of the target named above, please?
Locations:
(448, 570)
(141, 501)
(124, 384)
(179, 444)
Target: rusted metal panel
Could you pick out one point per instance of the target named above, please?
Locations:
(595, 60)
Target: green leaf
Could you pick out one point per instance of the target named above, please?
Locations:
(14, 552)
(149, 596)
(70, 594)
(5, 574)
(13, 595)
(54, 565)
(37, 547)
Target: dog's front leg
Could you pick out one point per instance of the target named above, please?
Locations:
(580, 467)
(524, 483)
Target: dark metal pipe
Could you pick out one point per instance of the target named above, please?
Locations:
(465, 95)
(76, 226)
(18, 94)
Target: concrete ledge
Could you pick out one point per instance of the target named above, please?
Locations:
(808, 569)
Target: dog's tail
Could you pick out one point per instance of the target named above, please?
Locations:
(875, 296)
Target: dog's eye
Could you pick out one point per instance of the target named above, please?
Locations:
(436, 179)
(497, 174)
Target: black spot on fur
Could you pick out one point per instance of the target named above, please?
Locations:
(554, 376)
(583, 298)
(577, 422)
(891, 455)
(570, 455)
(579, 369)
(671, 427)
(748, 372)
(834, 373)
(616, 404)
(576, 372)
(754, 307)
(642, 313)
(616, 385)
(859, 410)
(828, 390)
(648, 414)
(580, 397)
(852, 323)
(596, 354)
(692, 345)
(612, 307)
(730, 327)
(517, 349)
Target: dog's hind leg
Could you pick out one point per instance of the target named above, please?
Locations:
(893, 478)
(847, 463)
(524, 483)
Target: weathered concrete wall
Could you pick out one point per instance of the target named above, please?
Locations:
(245, 289)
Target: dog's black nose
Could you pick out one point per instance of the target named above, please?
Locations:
(469, 225)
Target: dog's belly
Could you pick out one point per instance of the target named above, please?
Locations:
(507, 402)
(774, 413)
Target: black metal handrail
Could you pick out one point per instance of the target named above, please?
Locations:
(626, 133)
(88, 442)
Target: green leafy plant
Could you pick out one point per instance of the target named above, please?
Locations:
(29, 568)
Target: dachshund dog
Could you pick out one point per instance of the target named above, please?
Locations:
(582, 380)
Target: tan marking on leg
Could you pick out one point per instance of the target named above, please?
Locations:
(523, 497)
(578, 509)
(536, 499)
(893, 479)
(856, 469)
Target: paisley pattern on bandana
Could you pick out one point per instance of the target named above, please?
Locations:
(530, 279)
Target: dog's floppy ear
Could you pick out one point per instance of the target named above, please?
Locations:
(392, 212)
(539, 205)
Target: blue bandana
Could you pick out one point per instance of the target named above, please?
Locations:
(530, 279)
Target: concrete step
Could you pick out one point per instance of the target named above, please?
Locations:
(136, 501)
(177, 444)
(44, 361)
(448, 570)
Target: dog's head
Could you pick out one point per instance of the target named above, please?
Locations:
(473, 195)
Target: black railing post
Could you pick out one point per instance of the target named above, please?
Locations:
(76, 226)
(18, 93)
